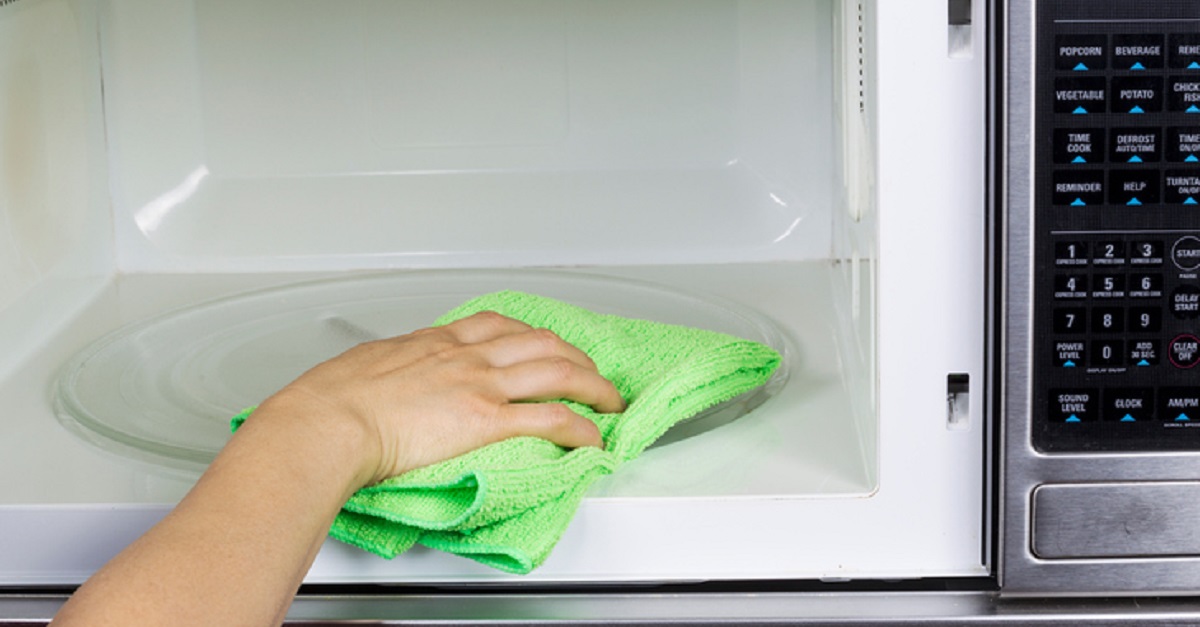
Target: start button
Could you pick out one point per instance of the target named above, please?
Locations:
(1186, 252)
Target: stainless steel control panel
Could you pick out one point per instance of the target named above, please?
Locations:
(1099, 180)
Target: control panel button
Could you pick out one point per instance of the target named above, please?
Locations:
(1184, 351)
(1071, 254)
(1109, 253)
(1183, 94)
(1078, 189)
(1129, 405)
(1109, 286)
(1133, 188)
(1070, 286)
(1137, 94)
(1069, 354)
(1143, 353)
(1183, 144)
(1074, 405)
(1138, 52)
(1183, 51)
(1185, 253)
(1081, 53)
(1179, 404)
(1107, 353)
(1070, 320)
(1108, 320)
(1145, 285)
(1136, 145)
(1182, 187)
(1079, 145)
(1080, 95)
(1146, 253)
(1145, 319)
(1185, 302)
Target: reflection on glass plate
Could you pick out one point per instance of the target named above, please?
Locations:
(164, 389)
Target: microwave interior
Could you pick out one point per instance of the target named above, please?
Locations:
(200, 199)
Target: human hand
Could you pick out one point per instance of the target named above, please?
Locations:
(440, 392)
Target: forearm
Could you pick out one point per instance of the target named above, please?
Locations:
(237, 547)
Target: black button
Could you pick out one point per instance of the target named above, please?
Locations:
(1136, 145)
(1069, 354)
(1143, 353)
(1137, 94)
(1079, 189)
(1074, 405)
(1129, 404)
(1146, 253)
(1109, 286)
(1183, 94)
(1145, 285)
(1110, 253)
(1183, 51)
(1079, 145)
(1179, 404)
(1145, 319)
(1070, 253)
(1137, 52)
(1108, 353)
(1185, 252)
(1070, 286)
(1108, 319)
(1133, 188)
(1183, 144)
(1080, 53)
(1080, 95)
(1182, 187)
(1184, 351)
(1069, 320)
(1185, 302)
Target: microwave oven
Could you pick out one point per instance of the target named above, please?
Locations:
(201, 198)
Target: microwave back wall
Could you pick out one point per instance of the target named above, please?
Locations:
(199, 199)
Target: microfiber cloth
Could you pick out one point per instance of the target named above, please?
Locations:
(506, 504)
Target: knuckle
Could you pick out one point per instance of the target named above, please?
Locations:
(556, 416)
(560, 369)
(487, 318)
(545, 336)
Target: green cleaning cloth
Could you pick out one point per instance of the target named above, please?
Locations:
(507, 504)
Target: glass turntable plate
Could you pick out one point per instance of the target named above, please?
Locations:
(164, 389)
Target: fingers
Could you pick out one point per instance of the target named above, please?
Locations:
(549, 421)
(483, 327)
(535, 364)
(556, 378)
(531, 345)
